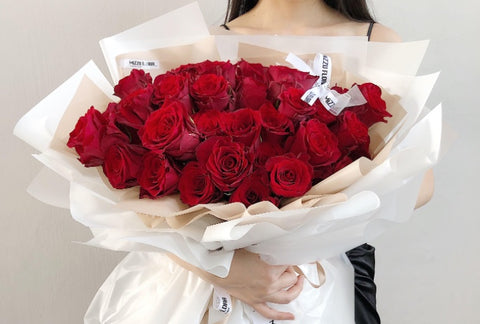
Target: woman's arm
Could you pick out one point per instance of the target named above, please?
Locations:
(255, 282)
(426, 189)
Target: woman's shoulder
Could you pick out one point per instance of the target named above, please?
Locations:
(382, 33)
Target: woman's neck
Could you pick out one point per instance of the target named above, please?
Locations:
(289, 16)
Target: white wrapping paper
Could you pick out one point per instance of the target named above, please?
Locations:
(149, 288)
(337, 215)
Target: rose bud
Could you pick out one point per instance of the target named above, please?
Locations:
(251, 93)
(352, 135)
(254, 189)
(243, 126)
(171, 87)
(375, 110)
(276, 126)
(265, 151)
(226, 162)
(283, 77)
(87, 136)
(137, 79)
(315, 139)
(220, 68)
(323, 115)
(211, 91)
(169, 130)
(196, 186)
(292, 105)
(134, 109)
(323, 172)
(122, 164)
(255, 71)
(289, 176)
(157, 176)
(208, 123)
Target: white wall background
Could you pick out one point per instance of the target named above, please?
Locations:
(427, 269)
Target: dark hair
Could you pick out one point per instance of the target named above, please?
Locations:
(353, 9)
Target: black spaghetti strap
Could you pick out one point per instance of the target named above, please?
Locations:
(370, 28)
(225, 26)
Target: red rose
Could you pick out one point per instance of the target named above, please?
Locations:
(292, 105)
(289, 176)
(226, 162)
(169, 130)
(315, 139)
(323, 172)
(137, 79)
(323, 115)
(282, 78)
(254, 189)
(255, 71)
(110, 114)
(114, 134)
(116, 131)
(196, 186)
(243, 126)
(352, 135)
(158, 177)
(87, 136)
(251, 93)
(122, 164)
(134, 109)
(276, 126)
(375, 110)
(225, 69)
(265, 151)
(208, 123)
(171, 87)
(211, 91)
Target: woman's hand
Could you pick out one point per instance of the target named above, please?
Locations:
(256, 283)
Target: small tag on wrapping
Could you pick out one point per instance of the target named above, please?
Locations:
(221, 301)
(140, 64)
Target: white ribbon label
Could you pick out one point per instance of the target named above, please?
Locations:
(221, 301)
(330, 99)
(326, 68)
(140, 64)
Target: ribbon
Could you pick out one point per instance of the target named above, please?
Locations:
(330, 99)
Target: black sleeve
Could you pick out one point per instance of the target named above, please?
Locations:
(363, 261)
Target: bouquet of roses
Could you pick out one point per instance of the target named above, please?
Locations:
(219, 131)
(251, 154)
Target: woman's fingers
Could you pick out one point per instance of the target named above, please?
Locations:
(285, 296)
(287, 279)
(281, 297)
(271, 313)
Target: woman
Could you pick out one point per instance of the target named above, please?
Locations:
(250, 279)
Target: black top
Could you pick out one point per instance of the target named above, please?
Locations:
(369, 32)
